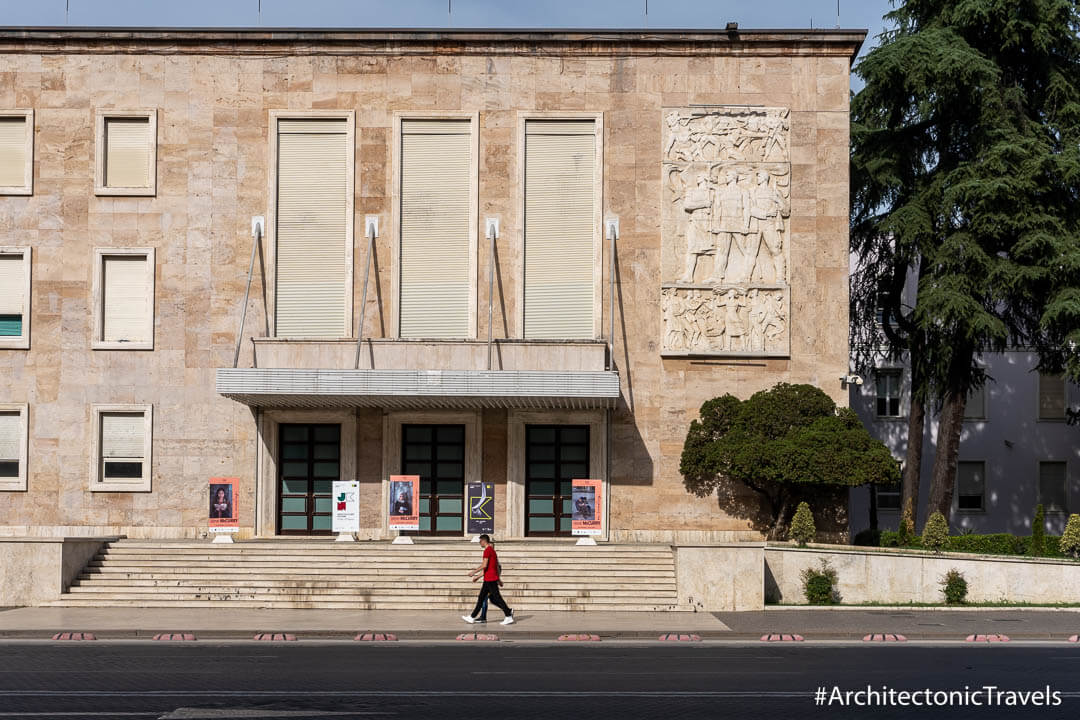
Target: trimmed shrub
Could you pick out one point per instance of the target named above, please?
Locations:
(991, 544)
(819, 586)
(954, 587)
(1070, 539)
(802, 528)
(907, 526)
(936, 533)
(1037, 544)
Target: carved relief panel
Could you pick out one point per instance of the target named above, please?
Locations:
(725, 211)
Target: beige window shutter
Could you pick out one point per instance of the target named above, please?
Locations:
(127, 298)
(1051, 397)
(560, 158)
(435, 216)
(12, 151)
(127, 152)
(12, 286)
(10, 430)
(123, 435)
(312, 208)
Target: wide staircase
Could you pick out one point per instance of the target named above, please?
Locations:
(372, 576)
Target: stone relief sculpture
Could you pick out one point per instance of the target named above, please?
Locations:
(725, 231)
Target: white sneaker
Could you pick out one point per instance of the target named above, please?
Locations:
(468, 618)
(508, 620)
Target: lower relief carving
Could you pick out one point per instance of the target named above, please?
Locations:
(725, 320)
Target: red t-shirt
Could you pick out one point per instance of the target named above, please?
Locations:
(491, 574)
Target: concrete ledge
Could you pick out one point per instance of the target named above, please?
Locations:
(37, 570)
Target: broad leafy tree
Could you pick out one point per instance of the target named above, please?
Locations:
(781, 443)
(965, 176)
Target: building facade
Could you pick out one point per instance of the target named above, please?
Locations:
(297, 257)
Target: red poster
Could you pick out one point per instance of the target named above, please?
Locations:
(588, 504)
(224, 502)
(404, 502)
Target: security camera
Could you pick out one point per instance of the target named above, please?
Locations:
(851, 380)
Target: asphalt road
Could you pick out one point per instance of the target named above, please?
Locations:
(338, 680)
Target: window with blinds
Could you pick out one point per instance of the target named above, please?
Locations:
(1054, 487)
(1051, 397)
(560, 226)
(126, 152)
(123, 437)
(11, 430)
(127, 300)
(313, 243)
(13, 295)
(16, 141)
(436, 232)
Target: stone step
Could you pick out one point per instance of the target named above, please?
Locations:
(410, 604)
(388, 556)
(387, 592)
(305, 583)
(447, 567)
(360, 574)
(286, 545)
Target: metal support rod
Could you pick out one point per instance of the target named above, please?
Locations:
(370, 232)
(256, 235)
(491, 287)
(611, 306)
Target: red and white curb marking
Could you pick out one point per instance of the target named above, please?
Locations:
(1074, 638)
(74, 636)
(579, 637)
(884, 637)
(781, 637)
(275, 637)
(376, 637)
(681, 637)
(175, 637)
(991, 638)
(482, 637)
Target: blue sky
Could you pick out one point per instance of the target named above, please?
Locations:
(463, 13)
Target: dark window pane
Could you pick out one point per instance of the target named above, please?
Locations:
(294, 452)
(327, 433)
(327, 452)
(451, 433)
(417, 433)
(326, 469)
(418, 452)
(294, 433)
(573, 471)
(122, 470)
(294, 469)
(9, 468)
(541, 487)
(450, 470)
(541, 470)
(574, 453)
(541, 435)
(574, 434)
(10, 325)
(451, 452)
(322, 487)
(969, 502)
(294, 487)
(422, 469)
(451, 487)
(541, 452)
(426, 487)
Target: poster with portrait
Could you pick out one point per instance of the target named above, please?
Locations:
(587, 500)
(224, 505)
(404, 502)
(480, 501)
(346, 508)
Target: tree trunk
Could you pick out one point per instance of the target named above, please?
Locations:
(777, 532)
(909, 485)
(873, 506)
(950, 425)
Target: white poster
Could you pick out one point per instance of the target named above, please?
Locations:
(346, 517)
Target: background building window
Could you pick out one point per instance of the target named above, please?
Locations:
(887, 383)
(122, 447)
(16, 152)
(971, 485)
(561, 223)
(126, 153)
(313, 241)
(124, 299)
(15, 298)
(1051, 397)
(437, 228)
(13, 444)
(1053, 490)
(975, 407)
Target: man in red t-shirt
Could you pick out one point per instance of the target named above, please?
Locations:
(489, 570)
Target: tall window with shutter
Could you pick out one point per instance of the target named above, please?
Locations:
(313, 241)
(1051, 397)
(16, 152)
(562, 219)
(126, 153)
(13, 443)
(122, 447)
(14, 298)
(437, 252)
(124, 299)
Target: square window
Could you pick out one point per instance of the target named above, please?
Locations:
(1053, 487)
(16, 152)
(15, 297)
(123, 299)
(126, 159)
(971, 485)
(887, 384)
(121, 448)
(13, 446)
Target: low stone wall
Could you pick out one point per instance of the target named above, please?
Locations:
(878, 576)
(713, 578)
(36, 570)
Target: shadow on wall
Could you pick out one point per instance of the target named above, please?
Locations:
(828, 504)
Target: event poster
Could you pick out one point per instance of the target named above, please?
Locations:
(405, 502)
(587, 504)
(346, 509)
(224, 511)
(480, 499)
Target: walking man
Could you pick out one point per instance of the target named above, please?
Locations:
(489, 571)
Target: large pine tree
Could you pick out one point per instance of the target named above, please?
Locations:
(965, 179)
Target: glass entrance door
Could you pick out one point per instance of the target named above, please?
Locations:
(437, 454)
(310, 460)
(554, 456)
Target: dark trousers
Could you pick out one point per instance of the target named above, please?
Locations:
(490, 591)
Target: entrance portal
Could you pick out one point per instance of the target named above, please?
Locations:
(437, 454)
(554, 456)
(310, 461)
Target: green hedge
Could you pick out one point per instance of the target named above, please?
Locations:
(993, 544)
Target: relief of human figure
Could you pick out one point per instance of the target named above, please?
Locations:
(734, 329)
(674, 307)
(767, 210)
(694, 319)
(758, 310)
(680, 141)
(774, 320)
(731, 222)
(699, 239)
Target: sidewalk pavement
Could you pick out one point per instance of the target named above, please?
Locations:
(813, 624)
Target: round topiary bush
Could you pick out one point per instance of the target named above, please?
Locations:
(954, 587)
(1070, 539)
(936, 533)
(802, 528)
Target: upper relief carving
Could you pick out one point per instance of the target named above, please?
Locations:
(737, 134)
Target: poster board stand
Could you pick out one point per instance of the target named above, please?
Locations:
(585, 541)
(402, 540)
(221, 537)
(345, 537)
